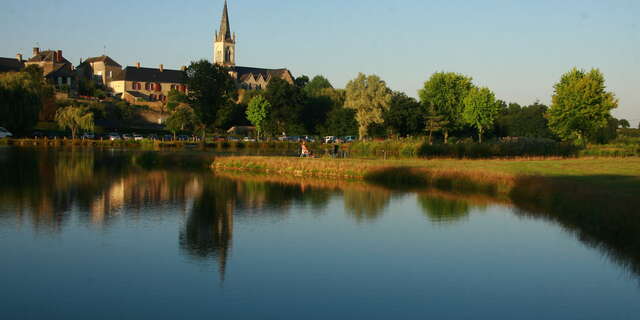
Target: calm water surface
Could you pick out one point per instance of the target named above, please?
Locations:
(90, 235)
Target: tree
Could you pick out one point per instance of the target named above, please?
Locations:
(182, 119)
(176, 98)
(210, 87)
(480, 109)
(580, 105)
(405, 116)
(22, 95)
(287, 107)
(624, 123)
(370, 98)
(446, 92)
(74, 118)
(258, 113)
(529, 121)
(434, 122)
(317, 85)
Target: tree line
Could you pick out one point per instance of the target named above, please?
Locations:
(449, 105)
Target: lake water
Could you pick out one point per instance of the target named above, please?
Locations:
(90, 235)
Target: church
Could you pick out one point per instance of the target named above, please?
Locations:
(224, 54)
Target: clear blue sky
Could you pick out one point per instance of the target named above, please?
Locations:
(517, 48)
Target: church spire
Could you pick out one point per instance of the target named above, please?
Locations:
(225, 29)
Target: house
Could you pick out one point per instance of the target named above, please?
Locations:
(58, 70)
(224, 54)
(101, 69)
(11, 65)
(137, 84)
(243, 131)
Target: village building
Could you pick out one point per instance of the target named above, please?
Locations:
(58, 70)
(138, 84)
(11, 64)
(101, 70)
(224, 54)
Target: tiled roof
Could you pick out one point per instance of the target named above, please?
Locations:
(150, 75)
(10, 64)
(48, 55)
(106, 59)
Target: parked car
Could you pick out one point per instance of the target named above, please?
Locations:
(247, 139)
(167, 137)
(233, 138)
(127, 136)
(348, 139)
(88, 135)
(153, 136)
(183, 137)
(137, 137)
(38, 134)
(330, 139)
(114, 136)
(4, 133)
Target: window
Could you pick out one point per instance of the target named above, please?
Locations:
(147, 86)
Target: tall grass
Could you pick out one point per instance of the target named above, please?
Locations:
(506, 148)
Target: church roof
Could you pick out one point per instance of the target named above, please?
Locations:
(267, 74)
(225, 30)
(150, 75)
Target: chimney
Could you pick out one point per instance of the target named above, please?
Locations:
(161, 67)
(59, 56)
(19, 57)
(36, 51)
(138, 65)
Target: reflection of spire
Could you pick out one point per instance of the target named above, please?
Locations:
(209, 228)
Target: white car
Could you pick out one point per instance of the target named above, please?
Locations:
(137, 137)
(89, 136)
(4, 133)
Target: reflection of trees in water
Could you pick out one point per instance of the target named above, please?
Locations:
(443, 211)
(209, 228)
(260, 194)
(366, 205)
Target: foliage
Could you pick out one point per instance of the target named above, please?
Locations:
(341, 121)
(258, 113)
(624, 124)
(446, 92)
(287, 106)
(580, 105)
(176, 98)
(529, 121)
(434, 122)
(480, 109)
(210, 89)
(404, 117)
(182, 119)
(317, 85)
(22, 95)
(74, 118)
(370, 98)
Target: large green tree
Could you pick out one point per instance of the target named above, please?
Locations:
(580, 105)
(528, 121)
(404, 117)
(317, 85)
(480, 109)
(21, 99)
(445, 91)
(370, 97)
(74, 118)
(258, 113)
(182, 119)
(287, 106)
(210, 88)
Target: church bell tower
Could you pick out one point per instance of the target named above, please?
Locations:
(224, 45)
